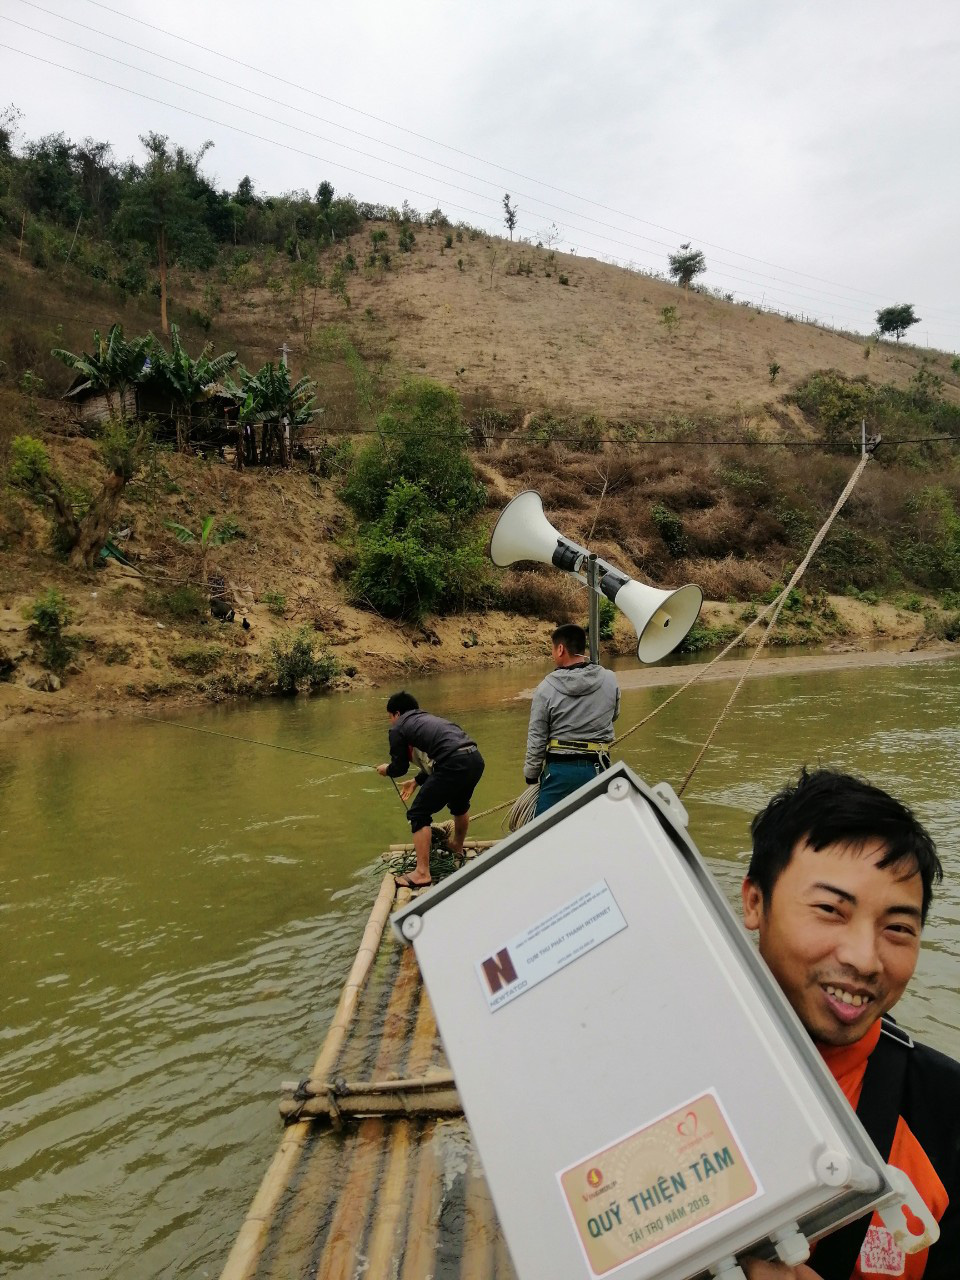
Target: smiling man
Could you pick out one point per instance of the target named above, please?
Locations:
(838, 889)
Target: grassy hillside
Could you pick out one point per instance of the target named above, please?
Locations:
(579, 389)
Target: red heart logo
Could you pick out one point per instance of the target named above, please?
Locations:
(687, 1128)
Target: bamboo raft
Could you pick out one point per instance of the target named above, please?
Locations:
(376, 1174)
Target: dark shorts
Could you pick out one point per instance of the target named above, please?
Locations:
(451, 784)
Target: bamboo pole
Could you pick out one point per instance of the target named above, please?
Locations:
(380, 978)
(385, 1244)
(391, 1203)
(425, 1039)
(476, 1262)
(503, 1267)
(430, 1102)
(291, 1250)
(243, 1257)
(344, 1089)
(423, 1219)
(353, 1205)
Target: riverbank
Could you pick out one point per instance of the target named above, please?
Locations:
(125, 662)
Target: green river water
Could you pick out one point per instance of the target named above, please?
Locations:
(179, 911)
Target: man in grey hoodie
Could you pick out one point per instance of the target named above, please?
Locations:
(571, 720)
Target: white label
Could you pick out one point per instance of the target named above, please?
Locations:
(550, 945)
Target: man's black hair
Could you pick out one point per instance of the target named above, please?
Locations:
(827, 807)
(397, 703)
(572, 637)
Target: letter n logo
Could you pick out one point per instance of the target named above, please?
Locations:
(499, 971)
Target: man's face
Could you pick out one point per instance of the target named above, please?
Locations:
(840, 935)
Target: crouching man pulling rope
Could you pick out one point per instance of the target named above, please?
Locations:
(457, 768)
(571, 720)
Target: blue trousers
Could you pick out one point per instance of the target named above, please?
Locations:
(562, 776)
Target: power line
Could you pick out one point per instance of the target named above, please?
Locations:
(469, 155)
(235, 106)
(838, 302)
(337, 164)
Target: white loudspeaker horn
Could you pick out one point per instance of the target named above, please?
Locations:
(523, 532)
(660, 618)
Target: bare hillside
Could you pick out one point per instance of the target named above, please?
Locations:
(473, 317)
(487, 316)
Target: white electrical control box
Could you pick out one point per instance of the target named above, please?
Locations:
(642, 1097)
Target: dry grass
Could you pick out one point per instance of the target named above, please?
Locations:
(523, 343)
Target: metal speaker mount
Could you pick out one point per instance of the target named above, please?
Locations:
(660, 618)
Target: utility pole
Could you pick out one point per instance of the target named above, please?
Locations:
(284, 352)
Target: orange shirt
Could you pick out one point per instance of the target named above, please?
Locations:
(879, 1255)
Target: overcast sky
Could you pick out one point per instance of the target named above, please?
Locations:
(809, 149)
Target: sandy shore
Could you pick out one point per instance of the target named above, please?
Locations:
(789, 665)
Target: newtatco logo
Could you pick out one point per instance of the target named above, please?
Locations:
(499, 971)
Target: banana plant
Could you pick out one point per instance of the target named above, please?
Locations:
(268, 397)
(113, 366)
(187, 381)
(206, 537)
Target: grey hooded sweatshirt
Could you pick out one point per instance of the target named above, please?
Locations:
(578, 703)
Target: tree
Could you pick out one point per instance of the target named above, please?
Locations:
(417, 498)
(163, 207)
(187, 381)
(509, 214)
(422, 439)
(686, 263)
(81, 538)
(896, 319)
(114, 365)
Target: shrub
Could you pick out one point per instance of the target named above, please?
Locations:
(297, 667)
(670, 528)
(837, 403)
(417, 560)
(701, 637)
(422, 440)
(275, 601)
(48, 615)
(199, 660)
(117, 654)
(29, 465)
(608, 616)
(183, 602)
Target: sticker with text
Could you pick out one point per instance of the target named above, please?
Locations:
(652, 1185)
(550, 945)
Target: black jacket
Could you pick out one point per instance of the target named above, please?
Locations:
(438, 739)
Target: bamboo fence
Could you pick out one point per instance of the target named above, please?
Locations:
(376, 1174)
